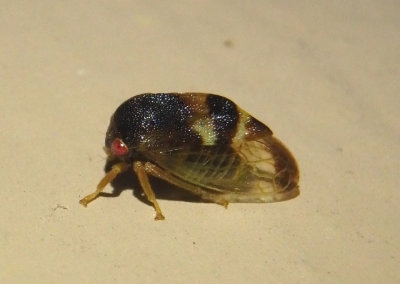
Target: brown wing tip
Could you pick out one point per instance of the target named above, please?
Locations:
(287, 177)
(287, 194)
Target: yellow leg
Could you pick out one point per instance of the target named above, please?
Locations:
(144, 182)
(109, 177)
(156, 171)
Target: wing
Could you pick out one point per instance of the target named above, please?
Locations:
(260, 170)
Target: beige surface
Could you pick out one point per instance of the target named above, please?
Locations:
(324, 77)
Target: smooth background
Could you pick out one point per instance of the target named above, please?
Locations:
(324, 75)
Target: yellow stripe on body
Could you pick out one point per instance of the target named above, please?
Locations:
(241, 131)
(205, 128)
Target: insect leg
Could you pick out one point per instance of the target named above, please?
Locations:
(144, 182)
(156, 171)
(109, 177)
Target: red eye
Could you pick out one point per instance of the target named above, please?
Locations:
(118, 147)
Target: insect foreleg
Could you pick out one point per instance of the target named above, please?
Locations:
(109, 177)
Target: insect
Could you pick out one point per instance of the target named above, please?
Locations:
(203, 143)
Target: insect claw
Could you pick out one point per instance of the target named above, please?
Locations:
(223, 202)
(83, 202)
(159, 216)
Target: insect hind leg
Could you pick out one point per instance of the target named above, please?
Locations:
(158, 172)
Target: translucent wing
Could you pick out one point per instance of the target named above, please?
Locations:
(260, 170)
